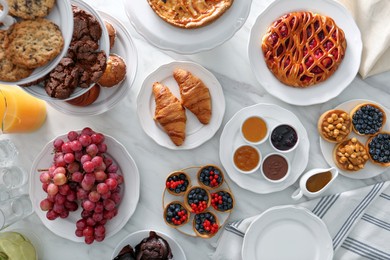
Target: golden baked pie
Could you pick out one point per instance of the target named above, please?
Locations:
(303, 48)
(334, 125)
(190, 13)
(350, 155)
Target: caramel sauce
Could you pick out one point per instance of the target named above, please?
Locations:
(254, 129)
(246, 158)
(318, 181)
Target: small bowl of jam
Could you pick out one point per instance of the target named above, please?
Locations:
(284, 138)
(254, 130)
(246, 159)
(275, 167)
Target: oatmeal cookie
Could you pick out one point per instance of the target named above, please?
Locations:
(34, 43)
(63, 79)
(8, 71)
(86, 26)
(30, 9)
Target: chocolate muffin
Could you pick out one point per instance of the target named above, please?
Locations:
(153, 247)
(127, 253)
(114, 73)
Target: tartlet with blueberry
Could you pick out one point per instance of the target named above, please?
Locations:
(210, 176)
(222, 201)
(197, 199)
(368, 119)
(205, 224)
(175, 214)
(378, 147)
(177, 183)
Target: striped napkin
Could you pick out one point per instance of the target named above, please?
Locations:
(358, 222)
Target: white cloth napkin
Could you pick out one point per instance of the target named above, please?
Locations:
(372, 18)
(358, 222)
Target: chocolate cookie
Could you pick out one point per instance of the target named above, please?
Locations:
(8, 71)
(30, 9)
(34, 43)
(63, 79)
(86, 27)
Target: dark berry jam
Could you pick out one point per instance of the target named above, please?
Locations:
(284, 137)
(379, 148)
(367, 120)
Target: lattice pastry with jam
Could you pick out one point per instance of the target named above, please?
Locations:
(303, 48)
(190, 13)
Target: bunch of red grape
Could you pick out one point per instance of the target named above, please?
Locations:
(82, 172)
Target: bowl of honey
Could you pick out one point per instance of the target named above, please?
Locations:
(254, 130)
(246, 158)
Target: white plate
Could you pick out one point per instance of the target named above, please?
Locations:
(323, 91)
(186, 41)
(370, 170)
(287, 232)
(231, 139)
(187, 228)
(109, 97)
(66, 227)
(104, 45)
(134, 238)
(196, 132)
(61, 15)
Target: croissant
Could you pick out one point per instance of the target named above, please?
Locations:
(194, 94)
(169, 113)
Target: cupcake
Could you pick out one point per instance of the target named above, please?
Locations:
(222, 201)
(175, 214)
(350, 155)
(205, 224)
(334, 125)
(210, 177)
(177, 183)
(368, 119)
(114, 73)
(153, 247)
(378, 147)
(197, 199)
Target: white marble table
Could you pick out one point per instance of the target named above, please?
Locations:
(230, 64)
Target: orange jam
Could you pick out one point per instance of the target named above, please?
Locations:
(246, 158)
(254, 129)
(318, 181)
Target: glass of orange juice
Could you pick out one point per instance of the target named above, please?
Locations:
(19, 111)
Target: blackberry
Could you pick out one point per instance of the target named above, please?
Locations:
(379, 148)
(368, 120)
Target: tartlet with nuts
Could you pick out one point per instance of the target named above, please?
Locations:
(368, 119)
(350, 155)
(334, 125)
(378, 147)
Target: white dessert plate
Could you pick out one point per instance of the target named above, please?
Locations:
(134, 238)
(231, 139)
(186, 41)
(61, 15)
(320, 92)
(104, 45)
(287, 232)
(370, 170)
(109, 97)
(196, 132)
(66, 227)
(188, 228)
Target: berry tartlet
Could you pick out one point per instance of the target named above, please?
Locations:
(206, 224)
(222, 201)
(197, 199)
(176, 215)
(368, 119)
(378, 148)
(210, 177)
(334, 125)
(177, 183)
(350, 155)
